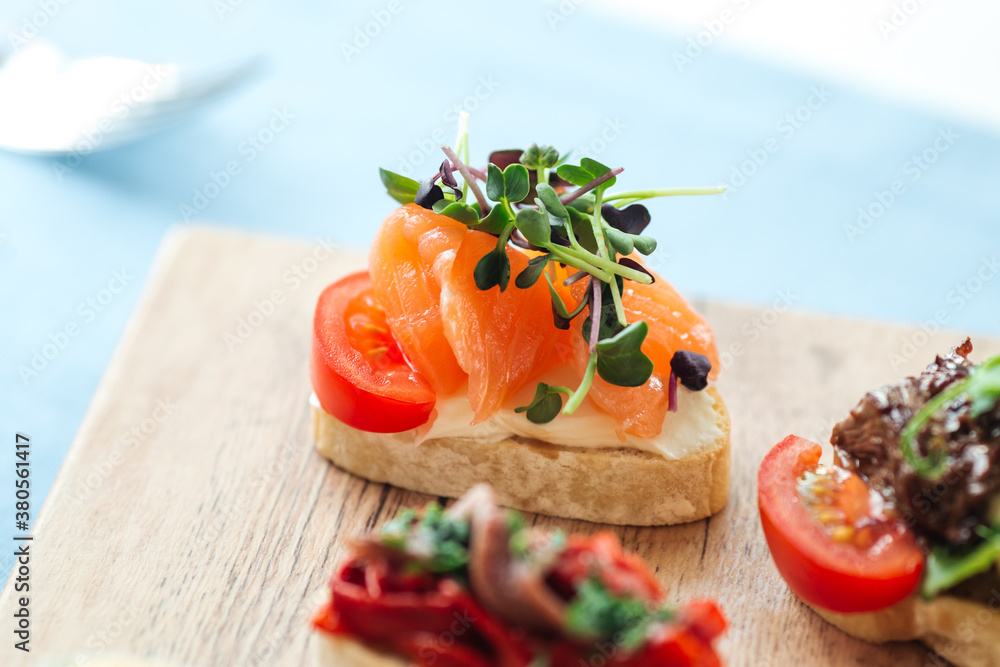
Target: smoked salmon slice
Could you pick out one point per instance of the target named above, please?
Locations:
(673, 326)
(411, 242)
(501, 339)
(422, 268)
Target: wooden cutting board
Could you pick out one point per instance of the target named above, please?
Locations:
(192, 522)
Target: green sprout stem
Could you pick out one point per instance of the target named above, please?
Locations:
(505, 236)
(571, 235)
(616, 297)
(596, 262)
(636, 195)
(602, 248)
(462, 146)
(576, 398)
(560, 304)
(933, 465)
(510, 209)
(595, 222)
(583, 264)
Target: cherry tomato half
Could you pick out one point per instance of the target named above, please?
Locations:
(830, 537)
(358, 371)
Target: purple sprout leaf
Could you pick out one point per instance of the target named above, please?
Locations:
(691, 368)
(428, 193)
(631, 219)
(448, 176)
(632, 264)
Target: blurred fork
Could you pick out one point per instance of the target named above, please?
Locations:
(51, 105)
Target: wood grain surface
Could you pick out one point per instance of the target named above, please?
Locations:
(192, 521)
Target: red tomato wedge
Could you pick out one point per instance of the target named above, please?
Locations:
(358, 371)
(829, 536)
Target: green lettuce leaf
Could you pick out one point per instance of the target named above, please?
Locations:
(949, 567)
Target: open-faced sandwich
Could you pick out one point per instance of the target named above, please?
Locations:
(468, 352)
(473, 586)
(900, 539)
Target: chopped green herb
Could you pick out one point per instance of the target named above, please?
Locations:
(436, 540)
(597, 614)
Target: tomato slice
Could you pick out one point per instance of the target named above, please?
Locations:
(358, 371)
(830, 537)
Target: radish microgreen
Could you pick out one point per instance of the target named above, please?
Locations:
(589, 228)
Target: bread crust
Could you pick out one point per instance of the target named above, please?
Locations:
(616, 486)
(966, 633)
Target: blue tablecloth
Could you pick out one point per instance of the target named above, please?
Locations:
(839, 201)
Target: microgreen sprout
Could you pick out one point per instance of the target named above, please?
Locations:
(588, 228)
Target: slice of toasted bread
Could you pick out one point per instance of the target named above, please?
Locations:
(616, 485)
(967, 633)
